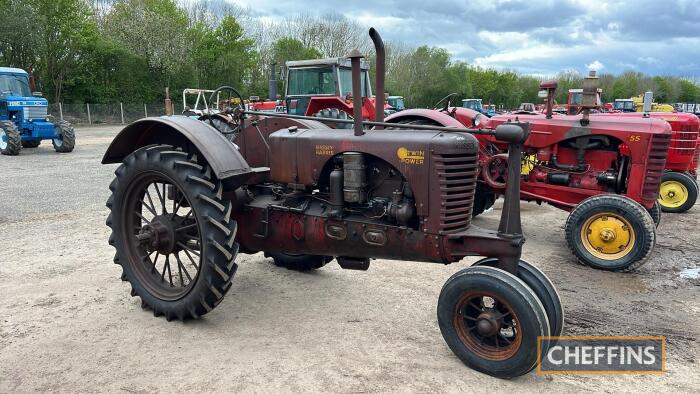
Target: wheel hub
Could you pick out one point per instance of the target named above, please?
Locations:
(673, 194)
(608, 236)
(487, 325)
(160, 233)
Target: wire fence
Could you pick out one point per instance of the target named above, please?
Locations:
(115, 113)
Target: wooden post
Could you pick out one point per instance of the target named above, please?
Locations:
(168, 103)
(145, 111)
(60, 110)
(88, 112)
(121, 109)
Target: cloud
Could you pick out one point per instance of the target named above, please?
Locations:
(540, 37)
(595, 66)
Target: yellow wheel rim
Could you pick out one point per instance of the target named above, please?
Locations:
(608, 236)
(673, 194)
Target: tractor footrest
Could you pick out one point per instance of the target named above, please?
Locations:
(353, 263)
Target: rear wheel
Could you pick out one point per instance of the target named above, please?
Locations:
(678, 192)
(610, 232)
(491, 320)
(65, 142)
(172, 231)
(299, 262)
(31, 144)
(10, 139)
(540, 284)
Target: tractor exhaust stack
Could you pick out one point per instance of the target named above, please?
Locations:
(355, 57)
(272, 83)
(380, 73)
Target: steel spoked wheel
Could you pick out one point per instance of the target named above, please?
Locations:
(678, 192)
(610, 232)
(487, 325)
(495, 171)
(163, 235)
(491, 320)
(172, 231)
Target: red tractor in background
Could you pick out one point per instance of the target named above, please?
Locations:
(679, 188)
(605, 170)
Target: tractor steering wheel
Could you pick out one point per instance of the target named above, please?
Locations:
(233, 113)
(447, 100)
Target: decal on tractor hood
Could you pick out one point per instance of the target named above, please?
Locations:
(27, 104)
(410, 156)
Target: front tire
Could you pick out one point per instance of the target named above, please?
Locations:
(492, 320)
(10, 139)
(678, 192)
(540, 284)
(179, 255)
(66, 141)
(610, 232)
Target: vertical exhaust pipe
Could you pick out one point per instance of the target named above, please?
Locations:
(272, 83)
(380, 73)
(355, 57)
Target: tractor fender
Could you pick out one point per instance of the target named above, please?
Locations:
(438, 117)
(222, 155)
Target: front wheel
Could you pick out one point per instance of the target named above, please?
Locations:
(678, 192)
(172, 231)
(492, 320)
(10, 139)
(610, 232)
(65, 142)
(540, 284)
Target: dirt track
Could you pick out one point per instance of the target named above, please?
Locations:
(67, 323)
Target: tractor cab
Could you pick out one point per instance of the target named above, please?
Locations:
(576, 98)
(394, 104)
(323, 84)
(17, 103)
(624, 105)
(475, 104)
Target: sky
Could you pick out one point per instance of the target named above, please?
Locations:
(532, 37)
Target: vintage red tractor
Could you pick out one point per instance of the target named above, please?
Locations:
(679, 189)
(605, 171)
(185, 201)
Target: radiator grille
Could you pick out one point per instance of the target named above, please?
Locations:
(456, 174)
(683, 142)
(655, 166)
(31, 113)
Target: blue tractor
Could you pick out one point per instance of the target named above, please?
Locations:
(24, 119)
(475, 104)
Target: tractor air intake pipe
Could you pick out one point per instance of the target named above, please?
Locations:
(355, 57)
(380, 71)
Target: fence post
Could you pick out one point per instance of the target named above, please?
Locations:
(121, 109)
(88, 113)
(60, 110)
(145, 111)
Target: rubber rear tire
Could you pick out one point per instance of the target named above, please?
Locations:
(302, 262)
(203, 191)
(642, 226)
(523, 303)
(67, 141)
(540, 284)
(655, 213)
(31, 144)
(484, 198)
(10, 139)
(688, 183)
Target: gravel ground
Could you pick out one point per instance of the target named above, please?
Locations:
(67, 323)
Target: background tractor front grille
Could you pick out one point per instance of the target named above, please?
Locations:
(683, 142)
(31, 113)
